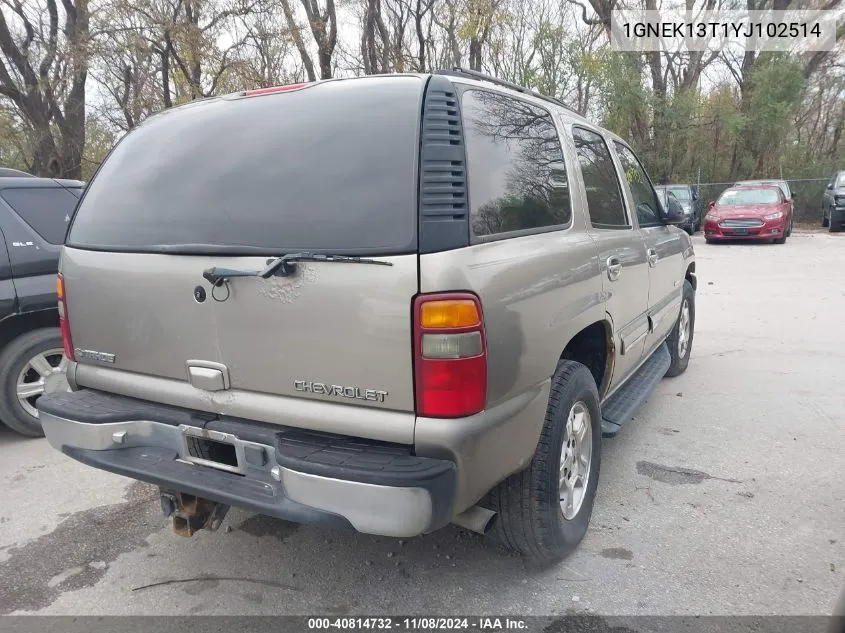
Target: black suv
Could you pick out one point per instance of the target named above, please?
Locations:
(688, 196)
(34, 216)
(833, 203)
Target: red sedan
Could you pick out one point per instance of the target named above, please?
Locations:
(749, 213)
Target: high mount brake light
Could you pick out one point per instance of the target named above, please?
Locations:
(273, 89)
(64, 317)
(450, 355)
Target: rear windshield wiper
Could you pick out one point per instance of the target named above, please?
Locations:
(284, 266)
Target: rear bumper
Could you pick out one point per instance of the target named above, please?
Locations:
(373, 487)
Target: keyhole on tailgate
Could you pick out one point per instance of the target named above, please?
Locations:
(199, 294)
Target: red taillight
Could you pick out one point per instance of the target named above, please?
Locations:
(273, 89)
(450, 355)
(64, 322)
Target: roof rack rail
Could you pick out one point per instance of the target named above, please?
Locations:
(457, 71)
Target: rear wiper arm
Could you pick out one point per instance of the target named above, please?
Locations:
(284, 266)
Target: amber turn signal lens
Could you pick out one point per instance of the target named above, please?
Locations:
(60, 287)
(451, 313)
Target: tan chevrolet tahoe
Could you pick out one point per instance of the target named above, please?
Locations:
(387, 303)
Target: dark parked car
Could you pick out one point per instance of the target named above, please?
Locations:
(34, 216)
(689, 199)
(833, 203)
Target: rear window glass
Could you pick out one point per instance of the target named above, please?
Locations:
(330, 168)
(47, 210)
(681, 193)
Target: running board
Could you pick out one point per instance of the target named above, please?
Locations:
(622, 405)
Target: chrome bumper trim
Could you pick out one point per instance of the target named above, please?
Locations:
(370, 508)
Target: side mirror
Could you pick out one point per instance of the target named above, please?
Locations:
(695, 195)
(710, 205)
(829, 185)
(794, 195)
(671, 211)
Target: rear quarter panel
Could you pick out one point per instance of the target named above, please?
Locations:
(536, 292)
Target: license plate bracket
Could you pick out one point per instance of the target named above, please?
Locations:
(214, 449)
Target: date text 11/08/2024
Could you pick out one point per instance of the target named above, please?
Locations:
(419, 623)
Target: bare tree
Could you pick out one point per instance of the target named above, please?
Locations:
(375, 39)
(449, 24)
(480, 18)
(420, 14)
(267, 52)
(125, 66)
(323, 23)
(43, 71)
(296, 35)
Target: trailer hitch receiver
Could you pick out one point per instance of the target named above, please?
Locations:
(191, 514)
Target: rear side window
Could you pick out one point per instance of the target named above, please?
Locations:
(328, 168)
(604, 196)
(517, 178)
(47, 210)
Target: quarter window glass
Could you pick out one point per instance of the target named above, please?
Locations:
(518, 179)
(46, 210)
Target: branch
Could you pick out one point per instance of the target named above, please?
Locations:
(297, 40)
(586, 20)
(27, 25)
(182, 67)
(818, 57)
(15, 56)
(332, 14)
(69, 9)
(224, 65)
(52, 41)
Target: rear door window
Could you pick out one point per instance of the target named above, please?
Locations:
(644, 197)
(604, 195)
(46, 209)
(328, 168)
(518, 178)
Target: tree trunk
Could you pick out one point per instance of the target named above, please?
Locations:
(296, 35)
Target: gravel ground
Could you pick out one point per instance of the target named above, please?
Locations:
(724, 496)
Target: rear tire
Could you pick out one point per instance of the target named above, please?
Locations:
(531, 511)
(17, 369)
(680, 339)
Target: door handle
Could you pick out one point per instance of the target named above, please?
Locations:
(614, 268)
(652, 257)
